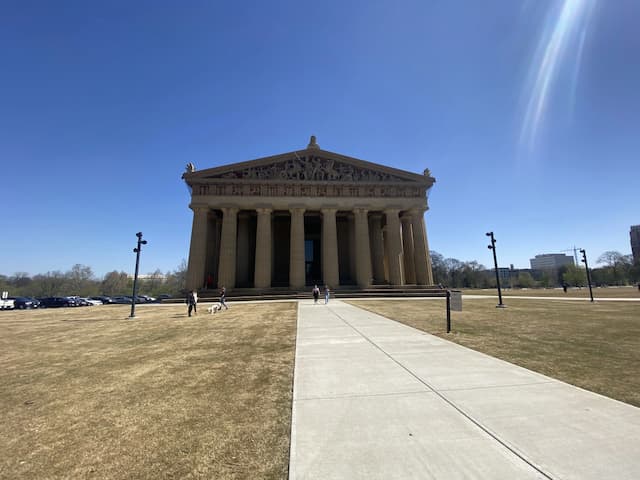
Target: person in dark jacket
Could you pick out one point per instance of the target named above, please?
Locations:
(192, 302)
(223, 298)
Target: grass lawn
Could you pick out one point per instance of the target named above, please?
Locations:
(87, 393)
(572, 292)
(592, 345)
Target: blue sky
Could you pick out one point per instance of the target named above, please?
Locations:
(526, 112)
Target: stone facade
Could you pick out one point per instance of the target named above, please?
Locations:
(307, 217)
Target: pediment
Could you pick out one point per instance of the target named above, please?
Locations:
(310, 165)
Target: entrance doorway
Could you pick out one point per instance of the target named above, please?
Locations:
(312, 249)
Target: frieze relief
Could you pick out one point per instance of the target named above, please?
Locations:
(301, 190)
(312, 169)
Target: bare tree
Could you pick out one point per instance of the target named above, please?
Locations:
(115, 283)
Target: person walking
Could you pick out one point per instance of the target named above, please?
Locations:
(192, 302)
(316, 293)
(223, 298)
(326, 294)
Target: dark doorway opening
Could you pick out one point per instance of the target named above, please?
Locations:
(312, 249)
(281, 232)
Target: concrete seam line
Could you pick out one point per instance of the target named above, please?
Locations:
(448, 401)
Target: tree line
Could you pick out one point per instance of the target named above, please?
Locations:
(616, 269)
(80, 280)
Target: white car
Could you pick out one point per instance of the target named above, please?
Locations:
(92, 301)
(6, 304)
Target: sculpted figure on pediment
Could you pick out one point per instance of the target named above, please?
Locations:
(311, 169)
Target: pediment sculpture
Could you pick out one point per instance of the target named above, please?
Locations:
(311, 168)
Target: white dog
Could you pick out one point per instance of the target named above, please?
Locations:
(216, 307)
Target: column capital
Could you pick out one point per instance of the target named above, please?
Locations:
(200, 208)
(361, 210)
(417, 211)
(406, 218)
(264, 210)
(229, 210)
(392, 210)
(297, 210)
(329, 210)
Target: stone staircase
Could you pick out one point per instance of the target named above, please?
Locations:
(345, 291)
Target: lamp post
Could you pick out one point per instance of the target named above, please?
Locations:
(586, 266)
(495, 262)
(137, 251)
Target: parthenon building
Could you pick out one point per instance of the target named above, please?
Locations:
(307, 217)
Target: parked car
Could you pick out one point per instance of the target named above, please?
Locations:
(55, 302)
(93, 301)
(121, 299)
(145, 299)
(90, 301)
(22, 303)
(103, 299)
(163, 296)
(6, 304)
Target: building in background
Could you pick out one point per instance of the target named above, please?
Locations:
(550, 261)
(307, 217)
(635, 243)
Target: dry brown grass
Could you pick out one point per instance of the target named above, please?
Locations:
(88, 393)
(593, 345)
(572, 292)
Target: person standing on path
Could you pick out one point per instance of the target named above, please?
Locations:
(326, 294)
(223, 297)
(192, 302)
(316, 294)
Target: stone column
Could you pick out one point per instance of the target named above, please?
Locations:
(395, 246)
(227, 268)
(263, 249)
(377, 247)
(296, 253)
(198, 248)
(407, 246)
(330, 271)
(424, 275)
(363, 252)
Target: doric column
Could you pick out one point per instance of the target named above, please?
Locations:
(424, 276)
(198, 248)
(377, 247)
(296, 254)
(407, 246)
(263, 249)
(395, 246)
(330, 271)
(363, 252)
(227, 268)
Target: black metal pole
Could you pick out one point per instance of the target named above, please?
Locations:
(448, 311)
(586, 266)
(135, 275)
(495, 263)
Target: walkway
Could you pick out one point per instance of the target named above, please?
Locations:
(375, 399)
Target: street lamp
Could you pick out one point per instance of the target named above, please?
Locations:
(137, 251)
(586, 266)
(495, 262)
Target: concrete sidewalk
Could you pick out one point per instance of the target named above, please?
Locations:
(375, 399)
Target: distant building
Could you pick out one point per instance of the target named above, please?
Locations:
(635, 243)
(150, 276)
(550, 261)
